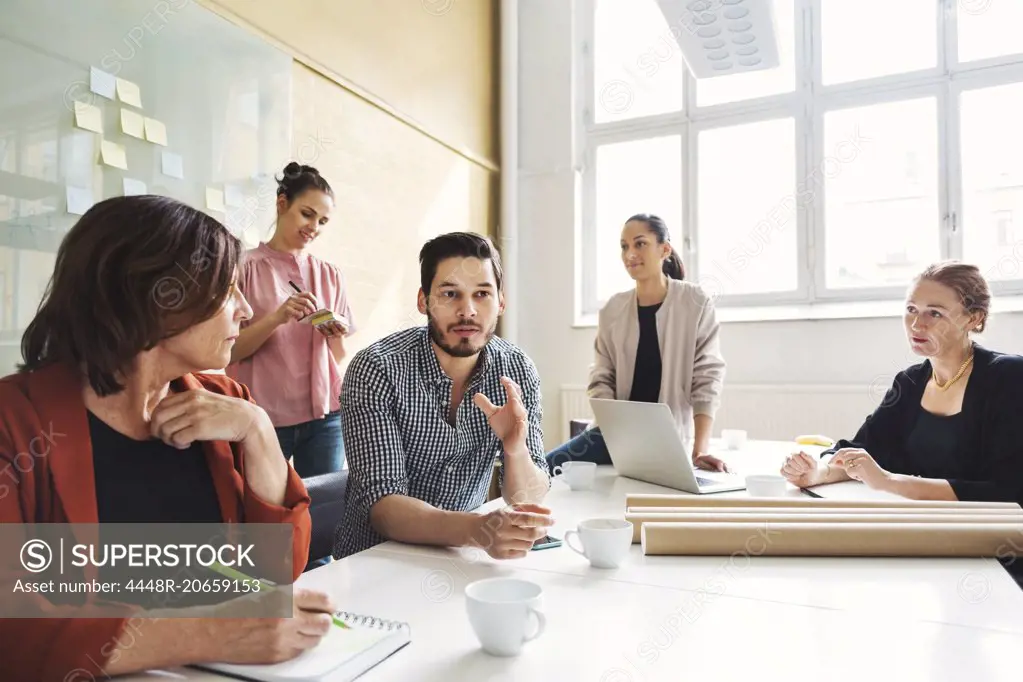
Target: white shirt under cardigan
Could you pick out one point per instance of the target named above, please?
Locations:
(692, 367)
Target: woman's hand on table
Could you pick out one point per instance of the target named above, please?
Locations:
(702, 460)
(803, 471)
(860, 466)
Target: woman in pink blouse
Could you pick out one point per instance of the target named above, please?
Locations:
(291, 367)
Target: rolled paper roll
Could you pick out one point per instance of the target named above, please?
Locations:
(786, 517)
(712, 511)
(671, 500)
(833, 539)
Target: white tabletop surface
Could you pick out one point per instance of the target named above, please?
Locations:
(674, 618)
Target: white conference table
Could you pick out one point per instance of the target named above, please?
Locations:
(671, 618)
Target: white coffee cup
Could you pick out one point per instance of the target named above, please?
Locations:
(578, 475)
(766, 485)
(501, 611)
(604, 542)
(734, 438)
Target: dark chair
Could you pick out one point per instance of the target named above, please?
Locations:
(577, 426)
(327, 493)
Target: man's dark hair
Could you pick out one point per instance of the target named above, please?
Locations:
(456, 244)
(132, 272)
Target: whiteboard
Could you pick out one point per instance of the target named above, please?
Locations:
(222, 94)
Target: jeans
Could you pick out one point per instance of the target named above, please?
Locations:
(317, 446)
(588, 446)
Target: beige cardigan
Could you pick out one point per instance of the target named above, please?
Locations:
(692, 368)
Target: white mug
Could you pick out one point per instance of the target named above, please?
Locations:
(734, 438)
(500, 612)
(766, 485)
(578, 475)
(605, 542)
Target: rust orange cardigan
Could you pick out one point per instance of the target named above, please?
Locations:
(51, 481)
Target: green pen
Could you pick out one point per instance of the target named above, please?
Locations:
(229, 572)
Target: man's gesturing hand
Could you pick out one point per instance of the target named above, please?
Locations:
(510, 421)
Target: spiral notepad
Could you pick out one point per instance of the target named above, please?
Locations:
(342, 655)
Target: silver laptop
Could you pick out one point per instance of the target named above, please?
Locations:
(644, 443)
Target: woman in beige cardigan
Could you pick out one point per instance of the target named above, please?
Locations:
(655, 343)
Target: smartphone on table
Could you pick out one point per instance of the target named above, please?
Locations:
(546, 542)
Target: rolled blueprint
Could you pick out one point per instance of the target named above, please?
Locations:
(868, 539)
(638, 519)
(672, 500)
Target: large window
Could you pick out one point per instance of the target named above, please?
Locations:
(887, 138)
(743, 170)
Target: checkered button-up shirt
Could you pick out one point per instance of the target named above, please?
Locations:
(394, 405)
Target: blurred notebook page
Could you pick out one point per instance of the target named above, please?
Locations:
(851, 490)
(340, 656)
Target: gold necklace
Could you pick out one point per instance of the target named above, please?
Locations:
(962, 368)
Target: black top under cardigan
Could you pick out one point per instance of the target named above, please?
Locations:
(991, 437)
(646, 381)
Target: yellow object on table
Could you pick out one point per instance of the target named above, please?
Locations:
(815, 439)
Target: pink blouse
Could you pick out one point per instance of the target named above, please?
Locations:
(293, 375)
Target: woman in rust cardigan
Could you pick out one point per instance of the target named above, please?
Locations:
(111, 419)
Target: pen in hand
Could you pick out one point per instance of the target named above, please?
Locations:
(298, 290)
(234, 574)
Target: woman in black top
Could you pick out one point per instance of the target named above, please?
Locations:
(679, 364)
(949, 428)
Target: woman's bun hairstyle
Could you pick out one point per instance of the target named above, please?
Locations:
(298, 178)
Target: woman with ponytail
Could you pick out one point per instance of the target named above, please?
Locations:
(292, 368)
(658, 342)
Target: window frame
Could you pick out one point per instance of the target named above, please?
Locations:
(807, 104)
(843, 101)
(992, 76)
(588, 246)
(708, 278)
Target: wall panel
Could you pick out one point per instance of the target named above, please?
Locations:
(395, 189)
(432, 60)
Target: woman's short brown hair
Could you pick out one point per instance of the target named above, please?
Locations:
(132, 272)
(968, 283)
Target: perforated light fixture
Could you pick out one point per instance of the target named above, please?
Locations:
(722, 37)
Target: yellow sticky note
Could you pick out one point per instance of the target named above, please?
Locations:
(132, 124)
(88, 117)
(156, 131)
(215, 199)
(129, 93)
(113, 154)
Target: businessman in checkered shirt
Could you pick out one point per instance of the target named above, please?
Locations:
(427, 411)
